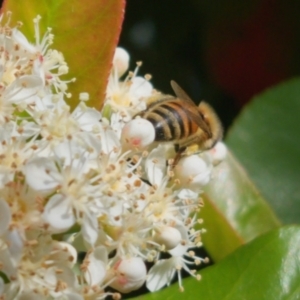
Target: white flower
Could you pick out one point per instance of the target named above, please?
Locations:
(88, 181)
(42, 266)
(87, 118)
(25, 206)
(55, 124)
(127, 97)
(164, 270)
(48, 64)
(14, 151)
(21, 90)
(73, 201)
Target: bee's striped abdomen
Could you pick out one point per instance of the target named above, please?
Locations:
(171, 121)
(158, 117)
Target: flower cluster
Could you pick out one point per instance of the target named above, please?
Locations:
(88, 182)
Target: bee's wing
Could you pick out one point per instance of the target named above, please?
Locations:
(180, 93)
(190, 108)
(195, 115)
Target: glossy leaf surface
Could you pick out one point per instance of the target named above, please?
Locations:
(265, 138)
(235, 200)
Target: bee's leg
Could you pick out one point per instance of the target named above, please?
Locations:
(179, 150)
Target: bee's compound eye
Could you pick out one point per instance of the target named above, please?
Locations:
(137, 134)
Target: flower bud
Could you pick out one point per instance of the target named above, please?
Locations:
(130, 274)
(168, 236)
(137, 134)
(193, 172)
(218, 153)
(121, 61)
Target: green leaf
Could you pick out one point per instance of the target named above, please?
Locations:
(265, 138)
(265, 269)
(85, 32)
(234, 212)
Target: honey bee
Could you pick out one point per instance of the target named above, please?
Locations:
(190, 128)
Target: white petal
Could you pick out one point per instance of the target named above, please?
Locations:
(50, 276)
(65, 151)
(66, 275)
(44, 103)
(38, 69)
(160, 274)
(89, 229)
(7, 264)
(187, 194)
(155, 165)
(110, 141)
(86, 117)
(15, 244)
(65, 253)
(1, 286)
(58, 214)
(93, 144)
(141, 87)
(29, 129)
(42, 175)
(73, 296)
(21, 39)
(5, 177)
(23, 88)
(181, 249)
(116, 123)
(96, 269)
(72, 154)
(5, 216)
(31, 296)
(11, 290)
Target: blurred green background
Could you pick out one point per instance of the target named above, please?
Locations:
(221, 51)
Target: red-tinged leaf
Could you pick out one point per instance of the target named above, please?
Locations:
(86, 33)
